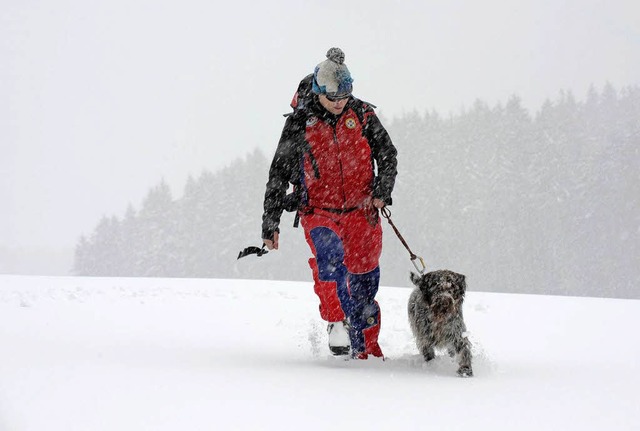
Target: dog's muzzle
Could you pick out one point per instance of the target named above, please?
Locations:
(443, 305)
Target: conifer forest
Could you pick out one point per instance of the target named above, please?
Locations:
(518, 201)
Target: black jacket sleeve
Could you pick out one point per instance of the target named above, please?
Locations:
(284, 170)
(384, 154)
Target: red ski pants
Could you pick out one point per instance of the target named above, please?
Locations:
(346, 249)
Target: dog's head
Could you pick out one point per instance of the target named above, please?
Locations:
(442, 290)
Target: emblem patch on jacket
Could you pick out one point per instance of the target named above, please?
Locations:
(350, 123)
(311, 121)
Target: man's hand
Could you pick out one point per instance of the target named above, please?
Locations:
(371, 206)
(272, 244)
(378, 203)
(372, 202)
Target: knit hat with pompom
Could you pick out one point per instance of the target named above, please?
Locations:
(332, 77)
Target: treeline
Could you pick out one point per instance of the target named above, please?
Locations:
(543, 203)
(193, 236)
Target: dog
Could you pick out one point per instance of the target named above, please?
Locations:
(435, 316)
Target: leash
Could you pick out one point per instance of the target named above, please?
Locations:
(386, 213)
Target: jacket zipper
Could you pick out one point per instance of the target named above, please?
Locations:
(335, 139)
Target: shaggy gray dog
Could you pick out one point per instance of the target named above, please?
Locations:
(435, 315)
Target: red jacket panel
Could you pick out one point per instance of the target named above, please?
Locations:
(342, 177)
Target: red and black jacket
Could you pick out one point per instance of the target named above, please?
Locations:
(331, 161)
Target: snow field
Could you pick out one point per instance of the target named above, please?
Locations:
(176, 354)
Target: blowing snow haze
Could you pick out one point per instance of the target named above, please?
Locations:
(103, 100)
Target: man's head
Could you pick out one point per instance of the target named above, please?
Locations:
(332, 81)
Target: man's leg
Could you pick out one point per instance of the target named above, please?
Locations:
(365, 318)
(330, 273)
(330, 278)
(363, 247)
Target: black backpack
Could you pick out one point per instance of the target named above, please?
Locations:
(303, 95)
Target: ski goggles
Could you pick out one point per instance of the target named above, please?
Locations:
(337, 97)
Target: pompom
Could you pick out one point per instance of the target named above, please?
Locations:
(336, 55)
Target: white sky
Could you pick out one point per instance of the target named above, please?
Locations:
(102, 99)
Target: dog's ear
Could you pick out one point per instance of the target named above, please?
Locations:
(428, 282)
(462, 284)
(415, 278)
(432, 279)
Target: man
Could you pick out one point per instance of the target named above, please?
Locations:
(342, 165)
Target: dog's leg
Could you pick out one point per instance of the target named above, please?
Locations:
(463, 348)
(428, 353)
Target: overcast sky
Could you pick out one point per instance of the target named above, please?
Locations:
(102, 99)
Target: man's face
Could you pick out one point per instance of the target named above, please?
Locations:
(334, 106)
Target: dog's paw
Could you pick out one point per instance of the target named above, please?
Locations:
(428, 353)
(465, 372)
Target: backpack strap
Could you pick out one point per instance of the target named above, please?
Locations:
(362, 110)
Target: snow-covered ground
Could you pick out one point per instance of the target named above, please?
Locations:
(93, 354)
